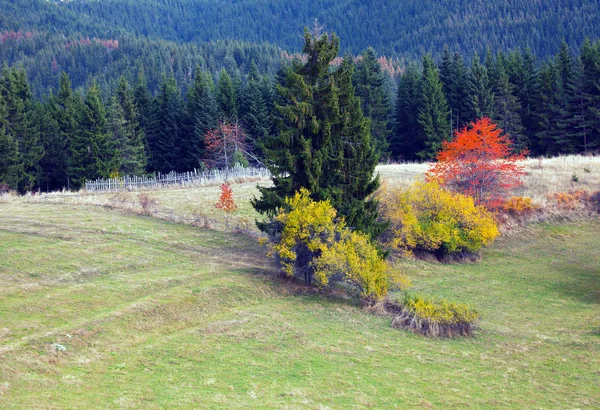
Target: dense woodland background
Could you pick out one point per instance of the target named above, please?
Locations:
(94, 88)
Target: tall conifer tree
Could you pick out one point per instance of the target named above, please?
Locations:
(433, 114)
(323, 142)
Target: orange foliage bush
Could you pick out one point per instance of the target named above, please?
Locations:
(226, 202)
(479, 162)
(570, 200)
(518, 205)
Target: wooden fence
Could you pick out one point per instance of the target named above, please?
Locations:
(195, 177)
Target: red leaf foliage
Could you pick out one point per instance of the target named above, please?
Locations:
(222, 143)
(479, 162)
(226, 202)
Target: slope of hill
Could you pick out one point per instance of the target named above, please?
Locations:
(398, 28)
(103, 310)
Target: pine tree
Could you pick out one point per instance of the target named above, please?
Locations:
(590, 59)
(406, 140)
(69, 108)
(482, 97)
(507, 106)
(226, 97)
(9, 154)
(90, 152)
(54, 164)
(323, 143)
(563, 109)
(433, 111)
(201, 116)
(22, 127)
(147, 109)
(169, 113)
(544, 110)
(370, 83)
(133, 153)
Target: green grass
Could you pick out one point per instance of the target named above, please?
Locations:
(159, 315)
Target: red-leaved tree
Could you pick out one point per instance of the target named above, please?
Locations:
(226, 202)
(479, 162)
(224, 143)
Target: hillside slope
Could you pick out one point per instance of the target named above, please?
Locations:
(102, 310)
(398, 28)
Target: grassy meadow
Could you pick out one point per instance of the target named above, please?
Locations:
(100, 308)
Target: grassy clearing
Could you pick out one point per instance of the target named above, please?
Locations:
(154, 315)
(544, 177)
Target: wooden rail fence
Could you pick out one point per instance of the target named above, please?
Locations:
(131, 183)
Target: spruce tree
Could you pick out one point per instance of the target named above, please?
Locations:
(22, 126)
(507, 105)
(482, 96)
(371, 88)
(226, 97)
(590, 59)
(406, 140)
(200, 117)
(433, 111)
(147, 109)
(323, 143)
(9, 154)
(54, 164)
(545, 109)
(69, 108)
(164, 147)
(133, 154)
(90, 151)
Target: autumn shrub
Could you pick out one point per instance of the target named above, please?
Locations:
(569, 201)
(434, 317)
(315, 245)
(427, 217)
(479, 162)
(226, 202)
(4, 188)
(519, 206)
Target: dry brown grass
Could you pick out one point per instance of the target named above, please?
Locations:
(544, 176)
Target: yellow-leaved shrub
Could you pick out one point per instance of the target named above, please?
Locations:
(315, 245)
(434, 317)
(428, 217)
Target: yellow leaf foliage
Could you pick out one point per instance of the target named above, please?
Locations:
(439, 311)
(427, 217)
(313, 228)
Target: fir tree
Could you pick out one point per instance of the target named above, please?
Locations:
(133, 153)
(507, 106)
(370, 83)
(482, 96)
(69, 108)
(433, 111)
(590, 59)
(406, 140)
(90, 152)
(164, 148)
(201, 116)
(9, 154)
(226, 97)
(55, 144)
(147, 109)
(323, 143)
(22, 127)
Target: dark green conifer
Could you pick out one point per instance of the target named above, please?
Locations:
(371, 88)
(323, 142)
(407, 140)
(433, 111)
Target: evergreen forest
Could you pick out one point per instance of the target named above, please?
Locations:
(95, 89)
